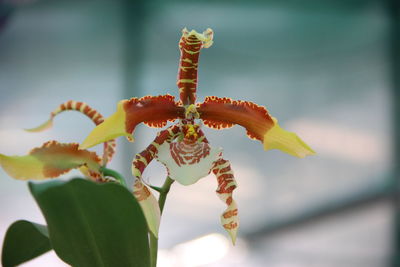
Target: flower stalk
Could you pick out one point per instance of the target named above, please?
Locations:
(164, 190)
(114, 174)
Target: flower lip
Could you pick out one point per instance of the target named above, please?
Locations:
(188, 162)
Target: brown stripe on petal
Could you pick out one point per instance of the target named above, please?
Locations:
(230, 226)
(143, 158)
(139, 165)
(230, 213)
(226, 190)
(226, 169)
(86, 110)
(78, 105)
(229, 200)
(141, 192)
(91, 113)
(98, 120)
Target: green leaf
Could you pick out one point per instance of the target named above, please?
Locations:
(94, 224)
(24, 241)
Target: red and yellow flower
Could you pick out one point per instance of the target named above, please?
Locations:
(182, 147)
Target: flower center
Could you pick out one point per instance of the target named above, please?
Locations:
(191, 112)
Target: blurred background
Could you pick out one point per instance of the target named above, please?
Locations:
(329, 70)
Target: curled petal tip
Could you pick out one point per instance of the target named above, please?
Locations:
(288, 142)
(232, 230)
(46, 125)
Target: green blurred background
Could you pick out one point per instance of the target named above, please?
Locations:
(327, 69)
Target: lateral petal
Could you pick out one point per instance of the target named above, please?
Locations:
(226, 185)
(154, 111)
(49, 161)
(288, 142)
(219, 113)
(144, 196)
(149, 205)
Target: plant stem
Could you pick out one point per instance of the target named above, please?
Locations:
(164, 190)
(153, 250)
(114, 174)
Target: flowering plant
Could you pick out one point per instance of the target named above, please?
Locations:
(182, 148)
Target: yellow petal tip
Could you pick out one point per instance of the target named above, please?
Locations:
(112, 127)
(97, 137)
(233, 238)
(46, 125)
(90, 141)
(288, 142)
(22, 167)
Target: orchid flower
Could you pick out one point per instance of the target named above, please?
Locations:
(182, 148)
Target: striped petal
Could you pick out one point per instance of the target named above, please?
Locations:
(288, 142)
(190, 45)
(188, 162)
(219, 113)
(50, 160)
(143, 195)
(154, 111)
(94, 115)
(226, 185)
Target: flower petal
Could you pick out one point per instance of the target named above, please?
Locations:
(219, 113)
(190, 45)
(154, 111)
(49, 161)
(187, 163)
(112, 127)
(144, 196)
(288, 142)
(149, 205)
(226, 185)
(94, 115)
(44, 126)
